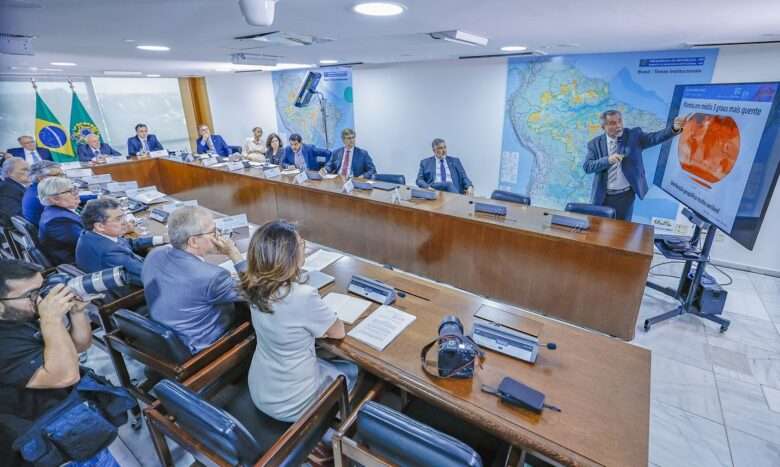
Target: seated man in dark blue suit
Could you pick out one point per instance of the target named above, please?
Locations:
(16, 176)
(102, 244)
(94, 150)
(183, 291)
(142, 143)
(443, 172)
(31, 205)
(350, 160)
(60, 227)
(304, 156)
(28, 151)
(211, 144)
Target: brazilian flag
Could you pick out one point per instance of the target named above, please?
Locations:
(50, 133)
(81, 124)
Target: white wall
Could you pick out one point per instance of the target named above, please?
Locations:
(400, 108)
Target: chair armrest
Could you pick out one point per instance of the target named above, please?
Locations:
(221, 364)
(219, 347)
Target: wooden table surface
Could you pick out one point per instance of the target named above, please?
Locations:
(593, 279)
(602, 385)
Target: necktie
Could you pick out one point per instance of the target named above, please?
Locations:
(300, 162)
(144, 147)
(346, 165)
(443, 172)
(612, 174)
(97, 152)
(35, 156)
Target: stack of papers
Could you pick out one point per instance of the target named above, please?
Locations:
(347, 308)
(381, 327)
(320, 259)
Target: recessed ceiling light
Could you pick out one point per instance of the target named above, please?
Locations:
(379, 8)
(328, 62)
(153, 48)
(152, 76)
(130, 41)
(122, 73)
(62, 64)
(514, 48)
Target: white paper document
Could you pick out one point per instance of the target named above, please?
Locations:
(381, 327)
(320, 259)
(290, 171)
(78, 173)
(146, 195)
(347, 308)
(330, 176)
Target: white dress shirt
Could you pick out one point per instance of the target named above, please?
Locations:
(250, 146)
(29, 156)
(438, 169)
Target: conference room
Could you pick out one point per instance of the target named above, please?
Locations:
(414, 233)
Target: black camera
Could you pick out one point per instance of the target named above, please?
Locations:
(457, 352)
(87, 285)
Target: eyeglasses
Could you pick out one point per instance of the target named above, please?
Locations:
(211, 232)
(74, 191)
(31, 295)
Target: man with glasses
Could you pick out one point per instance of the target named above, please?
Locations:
(102, 244)
(350, 160)
(443, 172)
(183, 291)
(16, 177)
(39, 355)
(31, 204)
(60, 226)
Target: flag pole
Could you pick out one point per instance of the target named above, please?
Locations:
(70, 83)
(35, 86)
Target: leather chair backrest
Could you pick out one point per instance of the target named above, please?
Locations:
(405, 441)
(391, 178)
(502, 195)
(151, 337)
(27, 229)
(213, 427)
(38, 257)
(592, 210)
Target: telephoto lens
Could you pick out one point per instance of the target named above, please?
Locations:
(87, 285)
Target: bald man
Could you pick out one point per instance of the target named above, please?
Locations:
(94, 150)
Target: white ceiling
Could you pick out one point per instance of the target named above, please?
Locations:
(93, 33)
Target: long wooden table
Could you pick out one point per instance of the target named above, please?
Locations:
(593, 279)
(602, 385)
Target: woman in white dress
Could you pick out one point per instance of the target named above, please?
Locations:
(254, 147)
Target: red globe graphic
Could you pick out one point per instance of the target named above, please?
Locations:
(708, 147)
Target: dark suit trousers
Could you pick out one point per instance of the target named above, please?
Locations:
(623, 204)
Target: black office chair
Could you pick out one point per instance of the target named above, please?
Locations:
(235, 149)
(26, 235)
(391, 178)
(502, 195)
(592, 210)
(8, 246)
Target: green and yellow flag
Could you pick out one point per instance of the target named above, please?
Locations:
(50, 134)
(81, 124)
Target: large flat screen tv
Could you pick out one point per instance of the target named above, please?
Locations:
(724, 165)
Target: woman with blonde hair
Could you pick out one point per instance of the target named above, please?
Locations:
(286, 375)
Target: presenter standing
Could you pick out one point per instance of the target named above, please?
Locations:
(615, 158)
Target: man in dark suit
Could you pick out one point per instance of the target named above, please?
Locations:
(142, 143)
(615, 158)
(350, 160)
(31, 204)
(60, 227)
(28, 151)
(211, 144)
(186, 293)
(16, 177)
(94, 150)
(304, 156)
(443, 172)
(102, 244)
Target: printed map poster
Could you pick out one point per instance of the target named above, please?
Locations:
(336, 87)
(552, 111)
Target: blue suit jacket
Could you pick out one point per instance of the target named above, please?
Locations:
(134, 144)
(95, 252)
(189, 295)
(42, 152)
(11, 194)
(361, 166)
(315, 157)
(58, 231)
(31, 205)
(426, 176)
(220, 146)
(86, 154)
(631, 144)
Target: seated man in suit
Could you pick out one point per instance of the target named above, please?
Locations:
(60, 227)
(142, 143)
(31, 205)
(102, 244)
(350, 160)
(94, 150)
(304, 156)
(28, 150)
(211, 144)
(16, 177)
(443, 172)
(183, 291)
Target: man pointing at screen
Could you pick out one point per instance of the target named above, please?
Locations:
(615, 158)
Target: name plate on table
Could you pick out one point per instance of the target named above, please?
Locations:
(348, 186)
(231, 223)
(158, 153)
(234, 166)
(209, 162)
(301, 177)
(112, 159)
(146, 195)
(118, 187)
(70, 165)
(98, 179)
(169, 208)
(272, 172)
(79, 173)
